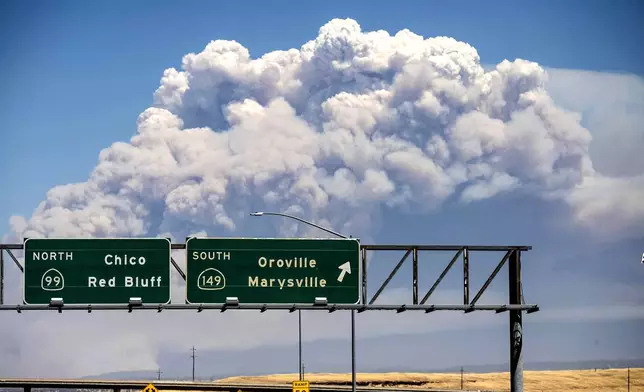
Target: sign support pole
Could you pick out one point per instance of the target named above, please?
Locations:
(353, 350)
(516, 327)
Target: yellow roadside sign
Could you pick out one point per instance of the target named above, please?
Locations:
(300, 386)
(150, 388)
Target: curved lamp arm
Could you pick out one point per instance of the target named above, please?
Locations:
(261, 213)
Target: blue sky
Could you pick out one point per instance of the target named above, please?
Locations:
(80, 73)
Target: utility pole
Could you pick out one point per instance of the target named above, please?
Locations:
(461, 377)
(159, 374)
(629, 379)
(193, 362)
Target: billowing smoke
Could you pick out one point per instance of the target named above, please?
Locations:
(350, 123)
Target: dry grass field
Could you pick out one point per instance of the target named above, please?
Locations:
(602, 380)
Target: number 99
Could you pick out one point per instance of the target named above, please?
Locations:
(55, 280)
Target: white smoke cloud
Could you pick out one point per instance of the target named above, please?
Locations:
(608, 203)
(612, 108)
(350, 123)
(611, 207)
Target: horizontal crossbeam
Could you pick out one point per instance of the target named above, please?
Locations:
(454, 248)
(264, 307)
(473, 248)
(365, 304)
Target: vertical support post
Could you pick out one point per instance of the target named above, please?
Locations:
(27, 389)
(466, 276)
(299, 357)
(461, 378)
(1, 276)
(415, 276)
(516, 324)
(629, 379)
(353, 350)
(193, 363)
(364, 276)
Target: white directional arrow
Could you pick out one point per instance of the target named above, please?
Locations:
(344, 269)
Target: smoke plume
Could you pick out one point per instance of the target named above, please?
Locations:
(350, 123)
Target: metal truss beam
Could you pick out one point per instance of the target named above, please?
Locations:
(463, 250)
(412, 249)
(288, 307)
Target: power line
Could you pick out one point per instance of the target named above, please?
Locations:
(193, 356)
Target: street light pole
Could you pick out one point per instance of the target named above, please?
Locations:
(353, 320)
(353, 350)
(299, 324)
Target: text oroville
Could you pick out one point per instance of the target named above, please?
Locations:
(296, 262)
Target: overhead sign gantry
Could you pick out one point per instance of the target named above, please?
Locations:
(244, 274)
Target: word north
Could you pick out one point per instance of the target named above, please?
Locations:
(128, 281)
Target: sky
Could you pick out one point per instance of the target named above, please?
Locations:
(467, 122)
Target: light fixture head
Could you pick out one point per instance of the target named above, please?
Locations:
(321, 301)
(56, 302)
(135, 301)
(257, 213)
(232, 301)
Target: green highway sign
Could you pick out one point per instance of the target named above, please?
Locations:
(272, 270)
(97, 271)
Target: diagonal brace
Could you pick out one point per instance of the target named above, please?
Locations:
(440, 278)
(16, 261)
(176, 266)
(489, 280)
(391, 275)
